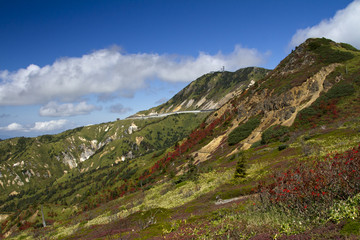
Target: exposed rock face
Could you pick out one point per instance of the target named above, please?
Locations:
(277, 109)
(88, 149)
(13, 193)
(132, 128)
(139, 140)
(86, 154)
(17, 180)
(69, 160)
(3, 217)
(282, 109)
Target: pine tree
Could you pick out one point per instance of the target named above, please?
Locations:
(240, 171)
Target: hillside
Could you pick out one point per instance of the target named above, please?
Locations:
(28, 162)
(210, 91)
(279, 159)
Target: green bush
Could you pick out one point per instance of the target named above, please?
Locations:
(329, 55)
(240, 171)
(352, 227)
(282, 147)
(357, 80)
(348, 47)
(345, 209)
(318, 42)
(243, 131)
(323, 48)
(340, 90)
(275, 133)
(256, 144)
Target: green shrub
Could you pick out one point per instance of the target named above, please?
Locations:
(256, 144)
(340, 90)
(348, 47)
(345, 209)
(318, 42)
(282, 147)
(352, 227)
(275, 133)
(243, 131)
(324, 49)
(357, 80)
(329, 55)
(240, 171)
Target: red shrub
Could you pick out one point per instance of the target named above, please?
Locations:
(307, 188)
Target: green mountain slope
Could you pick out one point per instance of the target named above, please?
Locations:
(33, 162)
(210, 91)
(280, 159)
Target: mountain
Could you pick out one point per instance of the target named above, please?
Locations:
(28, 162)
(210, 91)
(278, 157)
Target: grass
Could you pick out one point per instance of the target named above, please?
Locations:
(242, 219)
(187, 209)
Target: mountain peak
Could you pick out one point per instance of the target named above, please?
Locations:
(306, 60)
(210, 91)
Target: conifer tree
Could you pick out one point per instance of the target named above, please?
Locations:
(240, 171)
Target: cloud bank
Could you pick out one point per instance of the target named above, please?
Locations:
(46, 126)
(108, 72)
(343, 27)
(53, 109)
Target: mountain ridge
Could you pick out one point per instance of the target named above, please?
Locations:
(209, 91)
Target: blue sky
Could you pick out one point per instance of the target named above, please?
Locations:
(65, 64)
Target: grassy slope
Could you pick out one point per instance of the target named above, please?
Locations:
(212, 85)
(180, 202)
(98, 171)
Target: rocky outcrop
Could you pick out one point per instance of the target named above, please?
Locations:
(69, 160)
(282, 109)
(276, 109)
(132, 128)
(86, 154)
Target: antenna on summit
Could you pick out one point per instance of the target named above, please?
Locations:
(223, 69)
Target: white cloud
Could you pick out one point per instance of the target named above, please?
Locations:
(343, 27)
(49, 125)
(38, 126)
(53, 109)
(13, 127)
(107, 72)
(119, 108)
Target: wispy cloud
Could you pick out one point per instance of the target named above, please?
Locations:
(49, 125)
(13, 127)
(109, 72)
(53, 109)
(343, 27)
(46, 126)
(161, 100)
(119, 108)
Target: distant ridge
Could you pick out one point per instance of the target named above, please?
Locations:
(209, 91)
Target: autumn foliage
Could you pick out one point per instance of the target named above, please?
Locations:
(314, 187)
